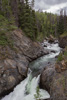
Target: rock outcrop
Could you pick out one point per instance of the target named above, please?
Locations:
(63, 41)
(14, 60)
(51, 39)
(54, 79)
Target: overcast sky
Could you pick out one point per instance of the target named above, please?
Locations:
(50, 5)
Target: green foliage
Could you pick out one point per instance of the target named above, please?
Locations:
(7, 20)
(64, 34)
(4, 40)
(7, 23)
(5, 26)
(37, 95)
(46, 24)
(36, 25)
(65, 53)
(60, 57)
(6, 9)
(27, 20)
(3, 23)
(12, 27)
(60, 25)
(40, 37)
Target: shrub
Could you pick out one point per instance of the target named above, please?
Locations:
(3, 39)
(5, 26)
(60, 57)
(37, 95)
(64, 34)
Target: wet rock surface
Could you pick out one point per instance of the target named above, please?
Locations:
(14, 61)
(11, 73)
(51, 39)
(55, 82)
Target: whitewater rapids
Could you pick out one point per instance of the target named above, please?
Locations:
(26, 90)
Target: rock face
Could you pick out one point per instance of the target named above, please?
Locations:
(14, 60)
(55, 82)
(51, 39)
(61, 66)
(63, 42)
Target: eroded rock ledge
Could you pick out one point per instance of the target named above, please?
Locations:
(54, 80)
(14, 61)
(63, 41)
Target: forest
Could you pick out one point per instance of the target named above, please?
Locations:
(35, 24)
(33, 50)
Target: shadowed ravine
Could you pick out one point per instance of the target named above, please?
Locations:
(27, 89)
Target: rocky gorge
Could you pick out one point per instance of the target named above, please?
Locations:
(55, 82)
(14, 61)
(14, 68)
(33, 50)
(54, 76)
(63, 41)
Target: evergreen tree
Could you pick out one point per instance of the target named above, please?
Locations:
(27, 20)
(32, 4)
(60, 25)
(65, 21)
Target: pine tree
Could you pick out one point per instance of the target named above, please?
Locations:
(32, 4)
(65, 21)
(27, 20)
(60, 25)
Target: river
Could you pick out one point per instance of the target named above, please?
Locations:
(29, 88)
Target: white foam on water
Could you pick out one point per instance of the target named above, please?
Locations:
(52, 46)
(29, 86)
(43, 61)
(27, 89)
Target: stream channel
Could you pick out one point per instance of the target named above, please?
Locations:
(29, 89)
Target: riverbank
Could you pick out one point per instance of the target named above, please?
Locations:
(54, 78)
(30, 85)
(14, 60)
(53, 75)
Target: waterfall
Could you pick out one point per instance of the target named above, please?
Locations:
(27, 90)
(38, 65)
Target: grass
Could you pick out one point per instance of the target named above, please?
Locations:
(64, 34)
(65, 53)
(3, 39)
(60, 57)
(40, 37)
(5, 27)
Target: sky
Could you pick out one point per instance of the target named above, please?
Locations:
(52, 6)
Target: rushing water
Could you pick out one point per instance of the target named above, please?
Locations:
(28, 89)
(38, 65)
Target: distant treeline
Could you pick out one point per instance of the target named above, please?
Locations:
(48, 23)
(36, 25)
